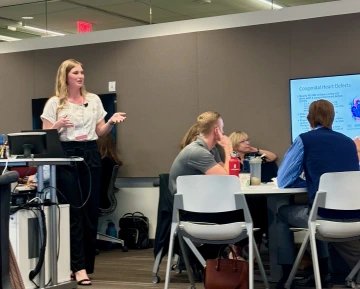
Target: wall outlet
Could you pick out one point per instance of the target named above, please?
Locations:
(112, 86)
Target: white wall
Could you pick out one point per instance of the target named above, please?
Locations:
(130, 200)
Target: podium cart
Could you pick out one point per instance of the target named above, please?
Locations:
(52, 232)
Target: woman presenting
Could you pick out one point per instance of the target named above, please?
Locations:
(79, 118)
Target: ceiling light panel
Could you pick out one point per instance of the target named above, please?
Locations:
(8, 39)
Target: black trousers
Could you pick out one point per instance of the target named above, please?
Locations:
(75, 183)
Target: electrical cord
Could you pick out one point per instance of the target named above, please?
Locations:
(78, 178)
(66, 200)
(37, 206)
(5, 169)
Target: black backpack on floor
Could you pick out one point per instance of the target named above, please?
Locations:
(134, 230)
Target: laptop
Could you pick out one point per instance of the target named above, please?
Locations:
(53, 144)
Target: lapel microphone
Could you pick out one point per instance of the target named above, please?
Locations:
(86, 104)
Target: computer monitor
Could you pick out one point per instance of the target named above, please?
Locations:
(53, 144)
(27, 143)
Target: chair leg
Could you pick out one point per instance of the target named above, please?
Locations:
(297, 261)
(174, 227)
(357, 281)
(186, 260)
(353, 272)
(195, 251)
(249, 229)
(157, 263)
(312, 228)
(261, 267)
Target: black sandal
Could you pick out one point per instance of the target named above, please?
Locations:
(81, 282)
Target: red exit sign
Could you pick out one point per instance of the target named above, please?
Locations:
(83, 27)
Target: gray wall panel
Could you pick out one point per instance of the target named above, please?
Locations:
(157, 88)
(325, 46)
(98, 62)
(17, 88)
(243, 74)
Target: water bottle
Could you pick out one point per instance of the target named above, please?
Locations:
(111, 231)
(234, 165)
(255, 171)
(3, 138)
(246, 168)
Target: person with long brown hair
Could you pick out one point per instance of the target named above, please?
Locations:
(109, 158)
(190, 136)
(79, 118)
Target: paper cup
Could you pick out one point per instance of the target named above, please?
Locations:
(244, 180)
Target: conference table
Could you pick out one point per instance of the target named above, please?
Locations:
(276, 197)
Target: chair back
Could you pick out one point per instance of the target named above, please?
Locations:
(110, 193)
(5, 193)
(164, 216)
(208, 193)
(342, 190)
(24, 171)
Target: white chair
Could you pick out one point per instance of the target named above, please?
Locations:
(338, 191)
(211, 194)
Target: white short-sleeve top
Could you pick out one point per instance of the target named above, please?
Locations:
(84, 116)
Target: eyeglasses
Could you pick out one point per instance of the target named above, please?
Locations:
(245, 140)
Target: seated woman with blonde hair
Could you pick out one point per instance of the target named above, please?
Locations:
(241, 145)
(257, 204)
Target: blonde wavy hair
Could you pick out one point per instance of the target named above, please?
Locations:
(236, 137)
(61, 89)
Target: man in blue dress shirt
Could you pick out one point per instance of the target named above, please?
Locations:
(319, 151)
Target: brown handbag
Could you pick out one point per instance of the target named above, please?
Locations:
(226, 273)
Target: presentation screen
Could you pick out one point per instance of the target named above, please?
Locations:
(342, 91)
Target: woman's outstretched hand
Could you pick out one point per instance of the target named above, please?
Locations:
(118, 117)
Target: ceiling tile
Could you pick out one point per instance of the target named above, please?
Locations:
(140, 10)
(288, 3)
(34, 9)
(191, 7)
(62, 16)
(15, 2)
(97, 3)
